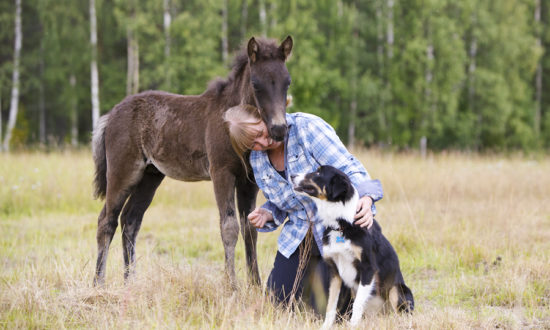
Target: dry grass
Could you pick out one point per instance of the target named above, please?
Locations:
(472, 233)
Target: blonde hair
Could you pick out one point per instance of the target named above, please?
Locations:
(240, 121)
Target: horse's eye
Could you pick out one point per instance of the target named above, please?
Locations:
(255, 84)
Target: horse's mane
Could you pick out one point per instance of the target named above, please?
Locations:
(268, 50)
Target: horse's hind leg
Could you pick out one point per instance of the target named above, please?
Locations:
(246, 201)
(132, 215)
(122, 174)
(106, 227)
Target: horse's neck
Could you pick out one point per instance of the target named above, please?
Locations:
(237, 91)
(245, 91)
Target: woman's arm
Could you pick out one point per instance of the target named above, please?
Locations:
(326, 147)
(267, 217)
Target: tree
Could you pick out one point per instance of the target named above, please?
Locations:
(93, 65)
(224, 36)
(538, 75)
(132, 78)
(167, 22)
(15, 89)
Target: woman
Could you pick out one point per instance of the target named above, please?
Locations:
(309, 143)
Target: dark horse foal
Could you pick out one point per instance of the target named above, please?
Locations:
(155, 134)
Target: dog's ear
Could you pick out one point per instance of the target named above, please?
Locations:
(338, 188)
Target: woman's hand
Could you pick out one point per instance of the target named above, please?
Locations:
(363, 215)
(259, 217)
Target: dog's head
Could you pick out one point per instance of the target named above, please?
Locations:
(327, 183)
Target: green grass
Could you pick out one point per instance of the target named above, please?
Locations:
(472, 233)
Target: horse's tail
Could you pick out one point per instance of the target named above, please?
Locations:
(100, 159)
(405, 301)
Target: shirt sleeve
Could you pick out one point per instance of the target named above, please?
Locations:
(327, 148)
(279, 217)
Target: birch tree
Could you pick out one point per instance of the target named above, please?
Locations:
(389, 33)
(93, 65)
(74, 111)
(14, 104)
(0, 119)
(538, 75)
(167, 21)
(132, 77)
(244, 18)
(353, 86)
(41, 99)
(263, 17)
(224, 37)
(388, 115)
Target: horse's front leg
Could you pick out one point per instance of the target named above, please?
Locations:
(224, 189)
(246, 201)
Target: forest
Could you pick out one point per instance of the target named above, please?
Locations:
(461, 75)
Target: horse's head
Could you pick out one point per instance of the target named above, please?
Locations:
(270, 79)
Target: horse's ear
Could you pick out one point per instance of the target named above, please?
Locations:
(252, 50)
(286, 47)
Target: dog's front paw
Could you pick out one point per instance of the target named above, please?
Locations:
(354, 322)
(326, 325)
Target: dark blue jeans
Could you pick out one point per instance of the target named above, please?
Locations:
(312, 286)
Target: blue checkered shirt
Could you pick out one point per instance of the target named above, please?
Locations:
(310, 143)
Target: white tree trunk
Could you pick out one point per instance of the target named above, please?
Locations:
(167, 42)
(273, 14)
(225, 42)
(1, 122)
(167, 23)
(538, 76)
(472, 53)
(471, 71)
(244, 18)
(353, 87)
(388, 113)
(14, 104)
(428, 117)
(93, 66)
(74, 112)
(381, 112)
(380, 38)
(132, 78)
(390, 36)
(263, 17)
(42, 100)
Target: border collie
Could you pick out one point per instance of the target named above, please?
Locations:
(362, 259)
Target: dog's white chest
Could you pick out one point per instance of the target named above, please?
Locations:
(341, 252)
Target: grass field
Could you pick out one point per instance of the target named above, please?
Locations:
(472, 233)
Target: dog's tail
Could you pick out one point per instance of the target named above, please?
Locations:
(405, 303)
(100, 158)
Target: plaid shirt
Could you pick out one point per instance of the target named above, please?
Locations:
(310, 142)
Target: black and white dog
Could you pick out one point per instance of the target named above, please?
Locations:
(363, 259)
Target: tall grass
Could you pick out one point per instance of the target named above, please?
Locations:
(472, 233)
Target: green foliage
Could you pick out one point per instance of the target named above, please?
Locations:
(460, 73)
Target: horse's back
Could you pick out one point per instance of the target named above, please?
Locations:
(165, 129)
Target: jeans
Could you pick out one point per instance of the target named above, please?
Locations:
(313, 284)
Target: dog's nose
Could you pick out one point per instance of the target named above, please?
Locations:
(292, 177)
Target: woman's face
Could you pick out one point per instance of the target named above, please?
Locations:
(263, 141)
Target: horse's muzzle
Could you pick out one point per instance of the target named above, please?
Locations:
(278, 132)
